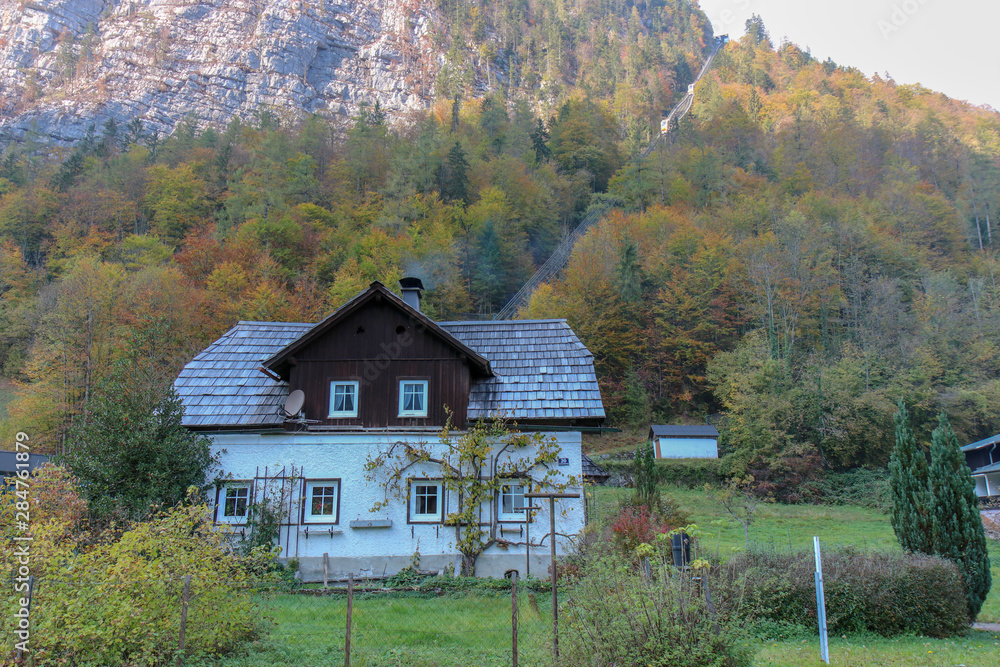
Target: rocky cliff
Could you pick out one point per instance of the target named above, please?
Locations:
(67, 64)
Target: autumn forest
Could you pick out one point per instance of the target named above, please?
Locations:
(806, 247)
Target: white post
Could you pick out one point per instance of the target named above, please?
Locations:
(824, 642)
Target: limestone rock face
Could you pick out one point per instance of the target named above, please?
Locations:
(69, 64)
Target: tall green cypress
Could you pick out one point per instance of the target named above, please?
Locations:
(911, 519)
(956, 527)
(646, 492)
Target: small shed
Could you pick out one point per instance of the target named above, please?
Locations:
(593, 473)
(983, 459)
(684, 442)
(9, 463)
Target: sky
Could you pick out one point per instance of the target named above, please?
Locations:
(945, 45)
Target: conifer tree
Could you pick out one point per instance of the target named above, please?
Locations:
(454, 179)
(908, 483)
(645, 477)
(956, 528)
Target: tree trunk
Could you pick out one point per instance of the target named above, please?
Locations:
(469, 565)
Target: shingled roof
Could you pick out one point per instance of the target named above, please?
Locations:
(223, 386)
(541, 372)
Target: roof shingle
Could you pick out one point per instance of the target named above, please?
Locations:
(541, 370)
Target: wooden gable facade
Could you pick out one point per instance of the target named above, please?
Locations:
(379, 342)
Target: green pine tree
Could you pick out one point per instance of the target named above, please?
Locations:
(956, 528)
(454, 177)
(645, 477)
(910, 515)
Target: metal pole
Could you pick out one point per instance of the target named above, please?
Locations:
(555, 576)
(513, 618)
(527, 542)
(824, 642)
(350, 607)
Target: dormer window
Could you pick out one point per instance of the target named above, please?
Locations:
(343, 398)
(413, 398)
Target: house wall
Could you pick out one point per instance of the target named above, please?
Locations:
(980, 457)
(987, 485)
(376, 551)
(687, 448)
(378, 346)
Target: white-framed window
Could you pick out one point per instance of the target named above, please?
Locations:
(344, 398)
(233, 502)
(426, 501)
(321, 501)
(511, 503)
(413, 398)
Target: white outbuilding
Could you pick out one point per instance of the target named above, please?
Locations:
(685, 442)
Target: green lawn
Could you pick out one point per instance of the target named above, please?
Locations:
(400, 630)
(397, 630)
(793, 527)
(977, 649)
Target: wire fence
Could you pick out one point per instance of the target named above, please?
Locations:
(193, 622)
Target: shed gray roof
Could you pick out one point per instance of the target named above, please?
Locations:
(8, 462)
(682, 431)
(991, 468)
(592, 470)
(541, 371)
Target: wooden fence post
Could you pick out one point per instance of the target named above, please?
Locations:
(513, 618)
(350, 609)
(185, 598)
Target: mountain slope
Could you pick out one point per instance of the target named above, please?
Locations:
(67, 64)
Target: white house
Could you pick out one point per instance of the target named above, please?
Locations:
(374, 374)
(682, 442)
(983, 458)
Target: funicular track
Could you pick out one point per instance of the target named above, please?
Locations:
(560, 256)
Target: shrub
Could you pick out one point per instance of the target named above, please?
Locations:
(633, 526)
(690, 473)
(884, 593)
(866, 488)
(792, 478)
(121, 602)
(618, 617)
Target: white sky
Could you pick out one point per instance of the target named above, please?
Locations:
(945, 45)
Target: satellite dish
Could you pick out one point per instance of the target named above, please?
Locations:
(294, 402)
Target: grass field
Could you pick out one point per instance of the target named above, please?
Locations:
(406, 631)
(776, 526)
(977, 649)
(792, 527)
(399, 630)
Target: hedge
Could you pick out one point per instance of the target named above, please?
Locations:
(690, 473)
(884, 593)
